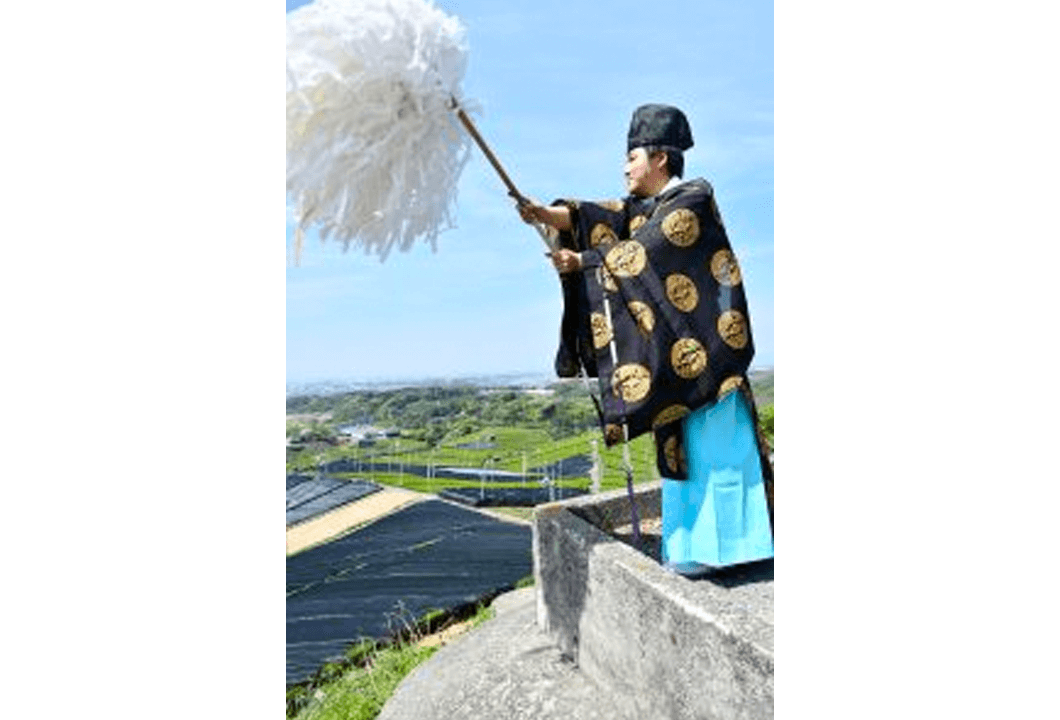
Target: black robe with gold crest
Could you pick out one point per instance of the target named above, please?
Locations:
(660, 280)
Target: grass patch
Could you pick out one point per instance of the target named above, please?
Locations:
(361, 693)
(522, 513)
(436, 485)
(512, 448)
(357, 687)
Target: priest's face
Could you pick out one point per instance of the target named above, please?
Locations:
(644, 175)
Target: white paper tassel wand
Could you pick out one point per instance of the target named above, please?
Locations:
(373, 152)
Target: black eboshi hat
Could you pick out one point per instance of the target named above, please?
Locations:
(662, 125)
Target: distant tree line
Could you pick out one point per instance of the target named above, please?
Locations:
(435, 412)
(431, 413)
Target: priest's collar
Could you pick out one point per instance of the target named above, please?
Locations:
(671, 184)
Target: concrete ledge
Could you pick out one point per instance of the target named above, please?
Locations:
(666, 646)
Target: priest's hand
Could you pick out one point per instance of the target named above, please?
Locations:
(566, 261)
(558, 216)
(530, 211)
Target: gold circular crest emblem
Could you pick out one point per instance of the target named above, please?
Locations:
(681, 227)
(627, 258)
(729, 384)
(601, 330)
(732, 326)
(631, 382)
(601, 234)
(669, 414)
(643, 315)
(682, 292)
(675, 456)
(636, 223)
(688, 357)
(724, 268)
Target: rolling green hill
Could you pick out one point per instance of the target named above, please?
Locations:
(505, 428)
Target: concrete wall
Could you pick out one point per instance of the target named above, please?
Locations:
(667, 646)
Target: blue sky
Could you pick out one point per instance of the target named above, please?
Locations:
(557, 82)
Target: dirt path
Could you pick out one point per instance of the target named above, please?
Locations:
(317, 530)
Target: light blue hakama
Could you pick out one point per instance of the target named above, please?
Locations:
(717, 517)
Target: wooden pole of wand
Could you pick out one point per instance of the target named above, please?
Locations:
(547, 237)
(473, 131)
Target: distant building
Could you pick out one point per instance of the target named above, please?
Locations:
(365, 435)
